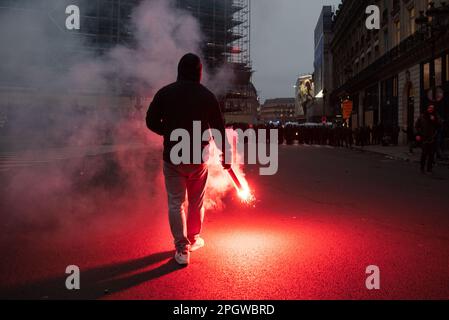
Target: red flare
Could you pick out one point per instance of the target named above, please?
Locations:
(242, 187)
(235, 179)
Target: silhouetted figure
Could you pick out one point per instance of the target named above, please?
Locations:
(395, 135)
(177, 106)
(381, 134)
(281, 133)
(427, 127)
(411, 138)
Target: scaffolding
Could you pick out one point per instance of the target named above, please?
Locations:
(225, 25)
(241, 50)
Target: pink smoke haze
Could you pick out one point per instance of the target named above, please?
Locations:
(126, 177)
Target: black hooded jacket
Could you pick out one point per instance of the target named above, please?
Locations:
(427, 127)
(179, 104)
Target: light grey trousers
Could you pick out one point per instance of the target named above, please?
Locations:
(179, 181)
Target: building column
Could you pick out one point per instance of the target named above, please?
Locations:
(361, 120)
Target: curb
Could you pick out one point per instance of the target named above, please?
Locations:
(398, 158)
(389, 156)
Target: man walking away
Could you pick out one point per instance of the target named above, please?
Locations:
(427, 129)
(178, 106)
(411, 138)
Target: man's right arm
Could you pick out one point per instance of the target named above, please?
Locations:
(216, 122)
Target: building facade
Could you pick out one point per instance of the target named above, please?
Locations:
(391, 74)
(278, 110)
(322, 76)
(242, 109)
(304, 96)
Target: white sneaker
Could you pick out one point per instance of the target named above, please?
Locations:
(182, 257)
(199, 243)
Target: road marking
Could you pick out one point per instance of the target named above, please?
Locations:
(11, 159)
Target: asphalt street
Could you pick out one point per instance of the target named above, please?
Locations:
(316, 226)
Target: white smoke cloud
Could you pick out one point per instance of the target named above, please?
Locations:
(163, 35)
(60, 110)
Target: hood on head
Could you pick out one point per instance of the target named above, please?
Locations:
(190, 68)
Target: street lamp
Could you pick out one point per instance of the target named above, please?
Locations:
(434, 21)
(422, 21)
(443, 16)
(432, 25)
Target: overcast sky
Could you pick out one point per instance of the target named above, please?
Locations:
(282, 43)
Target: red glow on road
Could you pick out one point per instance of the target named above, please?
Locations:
(241, 241)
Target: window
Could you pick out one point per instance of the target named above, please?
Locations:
(395, 87)
(447, 67)
(398, 32)
(426, 76)
(412, 15)
(386, 42)
(438, 71)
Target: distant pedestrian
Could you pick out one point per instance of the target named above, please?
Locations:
(381, 134)
(375, 133)
(369, 133)
(427, 127)
(395, 135)
(281, 133)
(411, 138)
